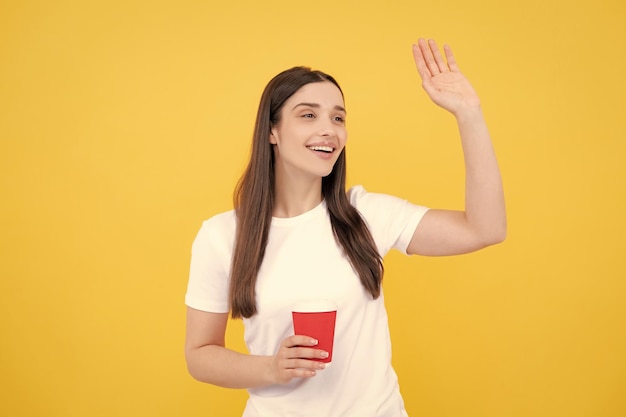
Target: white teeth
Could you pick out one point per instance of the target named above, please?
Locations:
(321, 148)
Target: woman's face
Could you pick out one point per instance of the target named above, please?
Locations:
(311, 132)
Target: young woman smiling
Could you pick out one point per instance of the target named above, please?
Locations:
(296, 234)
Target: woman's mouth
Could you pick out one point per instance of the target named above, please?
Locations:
(326, 149)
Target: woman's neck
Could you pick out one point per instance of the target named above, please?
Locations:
(293, 197)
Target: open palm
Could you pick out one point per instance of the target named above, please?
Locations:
(441, 79)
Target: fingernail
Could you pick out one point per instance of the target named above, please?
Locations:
(324, 354)
(321, 366)
(314, 341)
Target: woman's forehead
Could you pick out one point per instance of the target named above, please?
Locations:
(323, 93)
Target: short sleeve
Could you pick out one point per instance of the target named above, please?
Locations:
(209, 272)
(391, 220)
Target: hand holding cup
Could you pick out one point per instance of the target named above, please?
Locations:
(316, 319)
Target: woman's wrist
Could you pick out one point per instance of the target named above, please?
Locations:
(469, 113)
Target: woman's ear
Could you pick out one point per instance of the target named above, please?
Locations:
(272, 137)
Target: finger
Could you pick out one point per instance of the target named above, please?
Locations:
(298, 368)
(301, 372)
(306, 353)
(450, 58)
(422, 69)
(299, 340)
(439, 61)
(429, 58)
(304, 364)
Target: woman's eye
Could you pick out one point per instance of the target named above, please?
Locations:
(339, 119)
(308, 115)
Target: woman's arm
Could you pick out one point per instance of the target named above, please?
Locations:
(208, 360)
(483, 222)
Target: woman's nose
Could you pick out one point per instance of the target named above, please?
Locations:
(327, 128)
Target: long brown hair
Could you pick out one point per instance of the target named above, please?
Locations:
(254, 197)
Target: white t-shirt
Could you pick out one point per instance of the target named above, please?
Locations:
(303, 262)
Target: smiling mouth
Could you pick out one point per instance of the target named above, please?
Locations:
(325, 149)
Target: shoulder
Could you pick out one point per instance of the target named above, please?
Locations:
(365, 201)
(218, 230)
(374, 207)
(361, 198)
(207, 289)
(221, 222)
(392, 220)
(355, 194)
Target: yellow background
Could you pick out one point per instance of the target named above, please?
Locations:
(124, 124)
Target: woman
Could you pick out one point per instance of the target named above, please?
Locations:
(295, 234)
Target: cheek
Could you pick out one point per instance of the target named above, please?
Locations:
(343, 137)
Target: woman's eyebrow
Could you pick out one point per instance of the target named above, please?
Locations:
(317, 106)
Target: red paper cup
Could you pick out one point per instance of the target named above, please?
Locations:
(316, 319)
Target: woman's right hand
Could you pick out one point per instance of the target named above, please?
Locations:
(294, 359)
(441, 78)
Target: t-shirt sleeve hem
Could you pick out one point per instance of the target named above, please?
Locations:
(409, 230)
(202, 305)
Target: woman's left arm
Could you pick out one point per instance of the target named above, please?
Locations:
(483, 222)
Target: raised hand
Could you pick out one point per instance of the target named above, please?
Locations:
(293, 359)
(441, 79)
